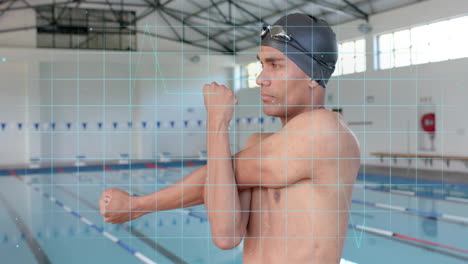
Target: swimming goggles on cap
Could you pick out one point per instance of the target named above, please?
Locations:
(280, 34)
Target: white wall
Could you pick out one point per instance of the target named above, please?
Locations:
(13, 109)
(18, 19)
(75, 91)
(177, 95)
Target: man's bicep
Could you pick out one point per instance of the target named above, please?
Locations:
(274, 162)
(255, 138)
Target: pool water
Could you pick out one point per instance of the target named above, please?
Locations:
(68, 228)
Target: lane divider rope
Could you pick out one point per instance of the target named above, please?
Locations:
(432, 215)
(418, 194)
(387, 233)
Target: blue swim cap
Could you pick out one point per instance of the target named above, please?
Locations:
(309, 42)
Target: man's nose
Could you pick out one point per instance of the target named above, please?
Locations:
(262, 79)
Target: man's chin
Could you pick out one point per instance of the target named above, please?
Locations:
(271, 110)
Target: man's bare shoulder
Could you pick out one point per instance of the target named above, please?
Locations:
(317, 120)
(326, 128)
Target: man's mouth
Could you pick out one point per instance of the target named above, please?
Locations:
(267, 98)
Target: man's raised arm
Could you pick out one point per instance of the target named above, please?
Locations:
(291, 154)
(222, 201)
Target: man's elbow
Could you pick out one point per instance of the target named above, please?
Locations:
(226, 242)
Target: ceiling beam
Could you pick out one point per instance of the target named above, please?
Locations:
(35, 6)
(117, 3)
(195, 28)
(336, 9)
(256, 5)
(8, 7)
(150, 10)
(220, 12)
(7, 30)
(167, 2)
(179, 38)
(202, 7)
(116, 15)
(38, 13)
(179, 12)
(63, 11)
(201, 10)
(357, 9)
(265, 17)
(185, 41)
(259, 19)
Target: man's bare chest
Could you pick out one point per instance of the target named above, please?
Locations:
(274, 207)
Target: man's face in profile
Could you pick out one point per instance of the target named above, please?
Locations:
(284, 86)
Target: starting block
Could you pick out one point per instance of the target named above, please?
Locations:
(202, 154)
(164, 157)
(79, 162)
(123, 158)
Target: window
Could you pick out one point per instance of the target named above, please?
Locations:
(420, 46)
(71, 28)
(423, 44)
(458, 38)
(253, 70)
(351, 57)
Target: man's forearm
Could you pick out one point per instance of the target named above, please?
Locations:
(184, 193)
(221, 194)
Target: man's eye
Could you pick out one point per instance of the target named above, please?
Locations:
(275, 66)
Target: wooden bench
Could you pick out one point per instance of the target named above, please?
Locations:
(426, 157)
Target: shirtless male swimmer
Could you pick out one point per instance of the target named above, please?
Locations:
(288, 194)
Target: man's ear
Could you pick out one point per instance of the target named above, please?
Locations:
(313, 84)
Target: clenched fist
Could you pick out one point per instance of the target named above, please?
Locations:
(118, 206)
(219, 102)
